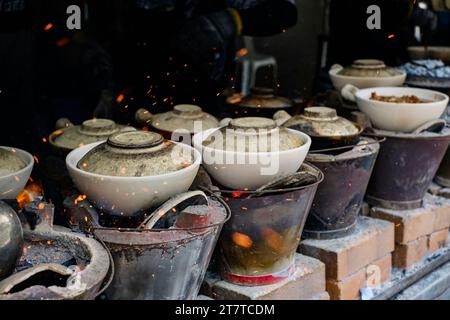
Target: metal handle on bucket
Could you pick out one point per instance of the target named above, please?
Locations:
(180, 202)
(377, 139)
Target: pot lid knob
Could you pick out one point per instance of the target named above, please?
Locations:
(135, 140)
(320, 113)
(253, 123)
(369, 64)
(98, 126)
(187, 110)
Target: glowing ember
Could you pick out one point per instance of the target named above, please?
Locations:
(31, 192)
(242, 240)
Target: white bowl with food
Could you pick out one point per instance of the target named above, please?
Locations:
(366, 73)
(267, 152)
(398, 109)
(15, 170)
(132, 171)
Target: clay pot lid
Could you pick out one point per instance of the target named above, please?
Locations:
(184, 117)
(97, 127)
(368, 64)
(90, 131)
(253, 123)
(188, 110)
(136, 154)
(259, 131)
(320, 114)
(10, 162)
(135, 140)
(260, 97)
(323, 122)
(369, 68)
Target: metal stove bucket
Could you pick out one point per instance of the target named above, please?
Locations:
(258, 244)
(339, 197)
(162, 264)
(406, 165)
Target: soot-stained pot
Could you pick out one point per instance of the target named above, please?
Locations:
(133, 171)
(261, 102)
(11, 239)
(250, 152)
(366, 73)
(71, 137)
(324, 126)
(184, 118)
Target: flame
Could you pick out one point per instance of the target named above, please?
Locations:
(242, 240)
(80, 198)
(31, 192)
(391, 36)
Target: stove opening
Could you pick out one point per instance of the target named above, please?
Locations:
(45, 278)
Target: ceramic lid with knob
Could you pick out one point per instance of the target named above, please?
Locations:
(369, 68)
(256, 134)
(262, 98)
(183, 116)
(136, 154)
(10, 162)
(90, 131)
(323, 122)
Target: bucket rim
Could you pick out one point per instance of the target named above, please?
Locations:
(320, 178)
(192, 229)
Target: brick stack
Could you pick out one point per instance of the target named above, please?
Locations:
(307, 283)
(360, 260)
(419, 232)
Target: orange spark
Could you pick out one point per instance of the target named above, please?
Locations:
(48, 27)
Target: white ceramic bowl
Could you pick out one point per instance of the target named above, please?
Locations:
(400, 117)
(126, 196)
(339, 81)
(11, 185)
(245, 174)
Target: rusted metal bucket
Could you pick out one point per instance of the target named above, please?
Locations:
(162, 264)
(339, 197)
(258, 244)
(406, 165)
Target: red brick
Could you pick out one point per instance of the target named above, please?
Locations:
(442, 215)
(410, 225)
(407, 255)
(372, 240)
(437, 240)
(379, 272)
(348, 288)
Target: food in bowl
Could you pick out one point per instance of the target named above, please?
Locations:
(398, 116)
(395, 99)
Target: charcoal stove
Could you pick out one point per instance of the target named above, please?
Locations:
(56, 264)
(339, 197)
(406, 165)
